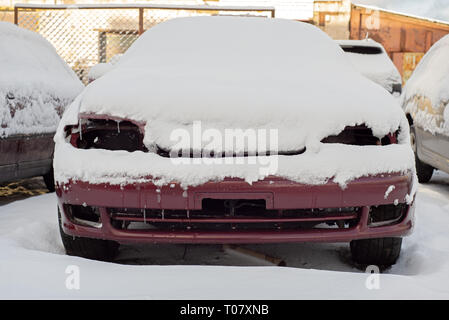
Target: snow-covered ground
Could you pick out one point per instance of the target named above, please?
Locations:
(33, 263)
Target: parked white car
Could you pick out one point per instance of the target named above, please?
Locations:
(371, 59)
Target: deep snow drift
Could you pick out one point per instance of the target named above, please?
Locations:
(32, 263)
(35, 83)
(251, 73)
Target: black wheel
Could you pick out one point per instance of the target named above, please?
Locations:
(423, 171)
(382, 252)
(95, 249)
(49, 180)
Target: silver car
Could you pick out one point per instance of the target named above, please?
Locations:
(425, 100)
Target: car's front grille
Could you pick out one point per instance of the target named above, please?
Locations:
(250, 215)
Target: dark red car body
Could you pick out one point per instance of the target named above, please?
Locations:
(290, 212)
(25, 156)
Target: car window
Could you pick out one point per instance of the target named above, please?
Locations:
(362, 49)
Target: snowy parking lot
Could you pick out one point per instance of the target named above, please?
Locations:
(258, 156)
(33, 263)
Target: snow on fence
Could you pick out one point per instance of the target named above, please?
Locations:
(85, 35)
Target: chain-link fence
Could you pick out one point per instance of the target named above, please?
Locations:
(85, 35)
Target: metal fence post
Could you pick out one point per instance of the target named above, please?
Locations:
(140, 21)
(16, 15)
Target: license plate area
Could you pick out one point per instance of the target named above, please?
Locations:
(227, 199)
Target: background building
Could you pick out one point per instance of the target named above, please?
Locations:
(405, 37)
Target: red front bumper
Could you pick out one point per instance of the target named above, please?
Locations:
(279, 194)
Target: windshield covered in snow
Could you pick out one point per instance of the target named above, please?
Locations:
(235, 42)
(35, 83)
(431, 77)
(426, 94)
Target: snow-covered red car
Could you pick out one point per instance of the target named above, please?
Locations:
(425, 102)
(35, 87)
(371, 59)
(338, 166)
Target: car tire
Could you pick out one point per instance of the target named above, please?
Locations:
(423, 170)
(94, 249)
(381, 252)
(49, 180)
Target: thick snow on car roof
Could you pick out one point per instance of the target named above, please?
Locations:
(245, 72)
(431, 77)
(375, 65)
(429, 88)
(34, 76)
(26, 57)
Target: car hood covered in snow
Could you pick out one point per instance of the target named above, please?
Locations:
(35, 83)
(230, 72)
(234, 72)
